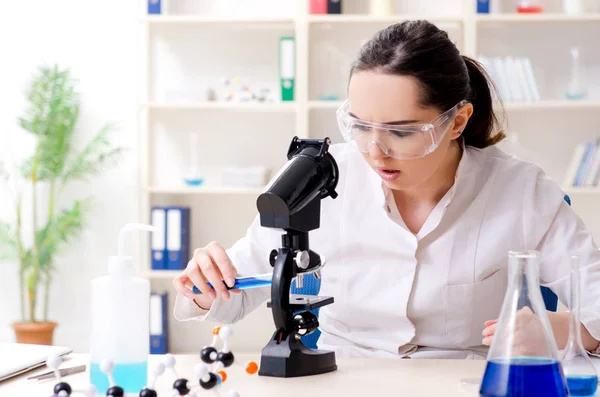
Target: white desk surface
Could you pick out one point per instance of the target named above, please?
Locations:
(354, 377)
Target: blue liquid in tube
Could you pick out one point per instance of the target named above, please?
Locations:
(582, 385)
(259, 281)
(523, 377)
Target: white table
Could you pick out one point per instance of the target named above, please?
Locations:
(354, 377)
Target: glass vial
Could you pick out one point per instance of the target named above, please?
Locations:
(333, 72)
(575, 90)
(582, 378)
(192, 176)
(523, 358)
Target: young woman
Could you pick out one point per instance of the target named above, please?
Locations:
(417, 241)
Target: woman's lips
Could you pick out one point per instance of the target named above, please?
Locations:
(388, 174)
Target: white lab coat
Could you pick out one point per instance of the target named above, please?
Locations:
(398, 294)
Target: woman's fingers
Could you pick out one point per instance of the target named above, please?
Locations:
(220, 258)
(194, 272)
(212, 274)
(181, 283)
(209, 265)
(489, 331)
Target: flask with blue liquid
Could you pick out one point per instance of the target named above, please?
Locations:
(580, 372)
(120, 310)
(523, 358)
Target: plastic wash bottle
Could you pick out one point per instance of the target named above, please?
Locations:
(120, 306)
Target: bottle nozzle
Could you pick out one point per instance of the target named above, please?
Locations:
(128, 227)
(120, 264)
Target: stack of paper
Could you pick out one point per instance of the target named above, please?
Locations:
(513, 77)
(584, 170)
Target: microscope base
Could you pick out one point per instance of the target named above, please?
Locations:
(291, 358)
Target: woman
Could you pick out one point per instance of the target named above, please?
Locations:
(416, 243)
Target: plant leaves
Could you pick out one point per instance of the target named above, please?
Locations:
(8, 242)
(51, 116)
(94, 158)
(52, 101)
(58, 231)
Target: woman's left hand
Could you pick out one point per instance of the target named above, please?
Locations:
(527, 332)
(488, 332)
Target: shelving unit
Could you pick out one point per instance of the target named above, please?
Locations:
(199, 48)
(531, 18)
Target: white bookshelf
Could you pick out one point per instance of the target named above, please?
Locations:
(199, 43)
(537, 18)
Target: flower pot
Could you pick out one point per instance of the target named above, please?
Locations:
(36, 333)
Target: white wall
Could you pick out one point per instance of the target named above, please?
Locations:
(97, 40)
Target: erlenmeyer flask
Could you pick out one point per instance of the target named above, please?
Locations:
(582, 379)
(523, 358)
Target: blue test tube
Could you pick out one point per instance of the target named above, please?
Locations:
(248, 282)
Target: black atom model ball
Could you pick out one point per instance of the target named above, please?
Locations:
(181, 385)
(63, 386)
(208, 354)
(145, 392)
(210, 383)
(115, 391)
(225, 358)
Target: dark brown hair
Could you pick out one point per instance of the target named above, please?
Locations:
(421, 50)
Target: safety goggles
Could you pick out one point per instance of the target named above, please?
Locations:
(406, 141)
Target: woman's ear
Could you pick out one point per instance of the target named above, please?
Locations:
(460, 120)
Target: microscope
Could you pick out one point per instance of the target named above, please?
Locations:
(292, 202)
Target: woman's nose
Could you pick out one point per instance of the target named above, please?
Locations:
(377, 151)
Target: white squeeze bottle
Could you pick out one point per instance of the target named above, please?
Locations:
(120, 306)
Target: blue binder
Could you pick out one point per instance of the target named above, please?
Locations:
(159, 327)
(154, 6)
(483, 6)
(158, 239)
(178, 237)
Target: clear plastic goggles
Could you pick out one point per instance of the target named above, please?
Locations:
(405, 141)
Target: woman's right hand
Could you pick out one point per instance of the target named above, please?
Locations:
(210, 264)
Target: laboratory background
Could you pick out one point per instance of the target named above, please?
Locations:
(176, 113)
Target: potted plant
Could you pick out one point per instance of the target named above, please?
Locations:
(51, 116)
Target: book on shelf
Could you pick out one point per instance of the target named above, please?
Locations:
(513, 77)
(584, 170)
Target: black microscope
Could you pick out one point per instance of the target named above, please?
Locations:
(292, 202)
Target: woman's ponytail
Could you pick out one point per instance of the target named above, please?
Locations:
(481, 131)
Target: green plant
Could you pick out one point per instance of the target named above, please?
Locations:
(51, 116)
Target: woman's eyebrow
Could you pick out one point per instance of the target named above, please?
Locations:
(398, 122)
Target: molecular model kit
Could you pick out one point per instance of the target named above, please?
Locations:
(210, 373)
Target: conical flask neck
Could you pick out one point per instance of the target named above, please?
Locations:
(524, 279)
(523, 328)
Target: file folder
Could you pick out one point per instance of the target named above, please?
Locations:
(318, 6)
(158, 239)
(334, 6)
(178, 237)
(159, 330)
(287, 67)
(483, 6)
(154, 6)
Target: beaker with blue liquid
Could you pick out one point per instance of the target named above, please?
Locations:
(582, 379)
(523, 358)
